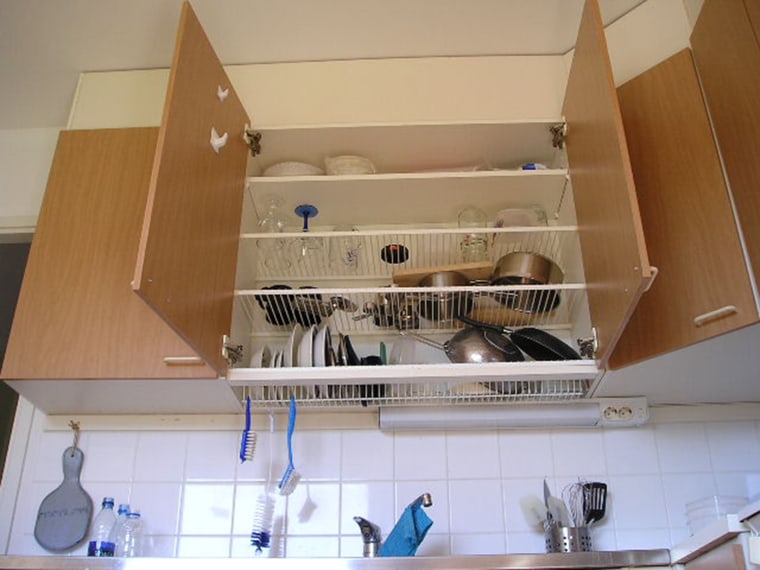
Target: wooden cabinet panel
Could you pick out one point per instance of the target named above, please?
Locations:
(77, 316)
(727, 56)
(691, 234)
(614, 252)
(188, 248)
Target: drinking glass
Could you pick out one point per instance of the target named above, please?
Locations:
(474, 246)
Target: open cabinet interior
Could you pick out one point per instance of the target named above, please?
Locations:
(381, 226)
(377, 233)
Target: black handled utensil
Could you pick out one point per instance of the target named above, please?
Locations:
(538, 344)
(594, 501)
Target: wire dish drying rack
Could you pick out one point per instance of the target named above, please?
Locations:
(362, 295)
(346, 278)
(407, 394)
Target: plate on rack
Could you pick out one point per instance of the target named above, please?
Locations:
(262, 358)
(320, 346)
(277, 360)
(305, 347)
(290, 356)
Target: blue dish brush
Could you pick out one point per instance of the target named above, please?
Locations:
(291, 477)
(248, 438)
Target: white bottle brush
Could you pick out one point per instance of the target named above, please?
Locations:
(263, 516)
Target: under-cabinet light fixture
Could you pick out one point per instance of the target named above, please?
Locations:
(603, 412)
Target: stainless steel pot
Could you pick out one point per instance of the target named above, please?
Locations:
(391, 310)
(527, 268)
(445, 306)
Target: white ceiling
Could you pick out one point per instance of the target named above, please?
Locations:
(45, 44)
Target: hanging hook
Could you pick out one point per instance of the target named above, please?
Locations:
(74, 426)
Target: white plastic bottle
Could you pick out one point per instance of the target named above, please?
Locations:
(100, 543)
(130, 536)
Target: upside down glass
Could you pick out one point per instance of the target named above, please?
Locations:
(474, 246)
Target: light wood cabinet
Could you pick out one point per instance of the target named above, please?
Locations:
(703, 287)
(189, 251)
(691, 124)
(727, 57)
(81, 339)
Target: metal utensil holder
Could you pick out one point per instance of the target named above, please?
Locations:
(567, 538)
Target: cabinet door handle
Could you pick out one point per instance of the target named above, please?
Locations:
(183, 360)
(217, 142)
(705, 318)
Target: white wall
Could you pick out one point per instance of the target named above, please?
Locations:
(198, 500)
(25, 158)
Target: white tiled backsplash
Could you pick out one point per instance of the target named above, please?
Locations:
(197, 499)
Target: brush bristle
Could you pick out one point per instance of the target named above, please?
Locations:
(247, 445)
(261, 535)
(289, 481)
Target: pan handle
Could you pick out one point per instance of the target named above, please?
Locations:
(482, 325)
(424, 340)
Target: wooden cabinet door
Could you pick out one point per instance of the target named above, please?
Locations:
(727, 56)
(703, 288)
(614, 253)
(77, 316)
(188, 248)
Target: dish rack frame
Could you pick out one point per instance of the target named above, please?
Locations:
(413, 200)
(420, 383)
(351, 396)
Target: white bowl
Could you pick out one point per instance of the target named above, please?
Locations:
(702, 512)
(293, 168)
(348, 164)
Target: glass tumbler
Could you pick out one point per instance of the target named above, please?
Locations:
(473, 246)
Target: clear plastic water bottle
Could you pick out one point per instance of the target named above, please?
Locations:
(100, 543)
(121, 516)
(130, 536)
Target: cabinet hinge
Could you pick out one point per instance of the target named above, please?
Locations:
(559, 133)
(589, 345)
(253, 140)
(232, 352)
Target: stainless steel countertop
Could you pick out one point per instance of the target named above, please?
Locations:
(565, 561)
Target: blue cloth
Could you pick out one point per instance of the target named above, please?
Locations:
(408, 534)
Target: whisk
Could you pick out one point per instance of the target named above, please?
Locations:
(575, 498)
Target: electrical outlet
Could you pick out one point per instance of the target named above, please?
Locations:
(610, 413)
(624, 412)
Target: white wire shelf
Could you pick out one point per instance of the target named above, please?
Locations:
(272, 313)
(355, 256)
(330, 395)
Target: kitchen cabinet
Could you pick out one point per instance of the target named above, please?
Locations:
(81, 339)
(414, 202)
(703, 287)
(727, 56)
(207, 280)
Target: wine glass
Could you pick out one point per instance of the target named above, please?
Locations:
(305, 247)
(274, 221)
(344, 250)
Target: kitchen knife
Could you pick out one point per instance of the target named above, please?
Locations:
(547, 495)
